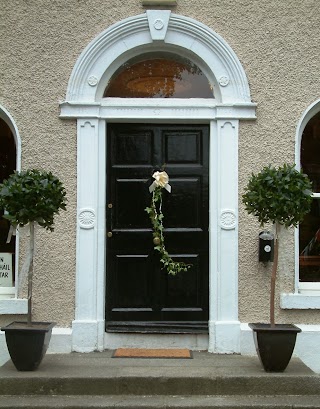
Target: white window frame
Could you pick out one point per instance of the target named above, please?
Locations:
(307, 294)
(9, 302)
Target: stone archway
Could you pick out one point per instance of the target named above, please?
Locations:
(157, 30)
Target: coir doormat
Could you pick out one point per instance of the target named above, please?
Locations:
(152, 353)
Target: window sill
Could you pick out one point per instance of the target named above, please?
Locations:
(297, 301)
(13, 306)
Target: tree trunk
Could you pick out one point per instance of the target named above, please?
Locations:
(274, 275)
(30, 272)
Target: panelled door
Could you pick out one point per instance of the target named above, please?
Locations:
(140, 295)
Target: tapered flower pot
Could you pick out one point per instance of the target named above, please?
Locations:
(274, 344)
(27, 344)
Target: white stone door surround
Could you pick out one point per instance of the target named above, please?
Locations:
(157, 30)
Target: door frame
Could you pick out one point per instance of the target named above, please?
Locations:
(192, 318)
(157, 30)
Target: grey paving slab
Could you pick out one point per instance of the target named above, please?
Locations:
(206, 374)
(102, 364)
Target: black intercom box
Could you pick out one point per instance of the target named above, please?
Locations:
(266, 246)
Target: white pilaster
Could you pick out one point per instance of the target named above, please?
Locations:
(85, 326)
(224, 327)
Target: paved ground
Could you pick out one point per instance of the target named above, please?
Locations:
(100, 364)
(208, 381)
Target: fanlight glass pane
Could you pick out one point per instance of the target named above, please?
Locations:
(309, 231)
(159, 76)
(310, 148)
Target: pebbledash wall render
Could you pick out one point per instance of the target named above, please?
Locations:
(243, 137)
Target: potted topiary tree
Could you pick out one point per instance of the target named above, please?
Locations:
(30, 197)
(281, 196)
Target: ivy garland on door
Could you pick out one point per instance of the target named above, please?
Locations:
(156, 216)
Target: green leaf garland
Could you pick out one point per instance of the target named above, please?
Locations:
(156, 217)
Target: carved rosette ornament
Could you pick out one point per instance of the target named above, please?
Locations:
(228, 220)
(224, 80)
(92, 80)
(86, 218)
(158, 24)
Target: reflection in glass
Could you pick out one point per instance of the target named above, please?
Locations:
(159, 75)
(7, 166)
(309, 245)
(309, 232)
(310, 148)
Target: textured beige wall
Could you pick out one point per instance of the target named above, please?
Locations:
(276, 41)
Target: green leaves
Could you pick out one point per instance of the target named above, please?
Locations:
(156, 217)
(32, 196)
(281, 195)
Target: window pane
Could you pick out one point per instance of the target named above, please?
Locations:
(309, 245)
(310, 148)
(7, 166)
(159, 75)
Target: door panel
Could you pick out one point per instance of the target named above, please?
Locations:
(140, 295)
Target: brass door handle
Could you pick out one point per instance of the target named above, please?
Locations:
(109, 234)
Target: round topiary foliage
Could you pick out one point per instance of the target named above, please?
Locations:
(278, 195)
(32, 196)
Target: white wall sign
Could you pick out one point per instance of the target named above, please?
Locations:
(6, 271)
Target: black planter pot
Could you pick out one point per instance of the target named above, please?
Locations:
(27, 344)
(274, 345)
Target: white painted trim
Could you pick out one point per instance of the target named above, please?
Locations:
(131, 36)
(154, 110)
(61, 341)
(195, 342)
(84, 102)
(306, 301)
(5, 115)
(14, 306)
(223, 286)
(309, 288)
(7, 292)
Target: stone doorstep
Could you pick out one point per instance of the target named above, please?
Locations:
(160, 386)
(160, 402)
(73, 375)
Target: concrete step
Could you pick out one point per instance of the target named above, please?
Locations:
(205, 374)
(97, 380)
(169, 384)
(160, 402)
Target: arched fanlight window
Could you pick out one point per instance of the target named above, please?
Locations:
(159, 75)
(309, 232)
(7, 166)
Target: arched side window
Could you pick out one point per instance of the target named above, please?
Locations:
(8, 155)
(159, 75)
(309, 232)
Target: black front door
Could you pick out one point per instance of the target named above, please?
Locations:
(140, 295)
